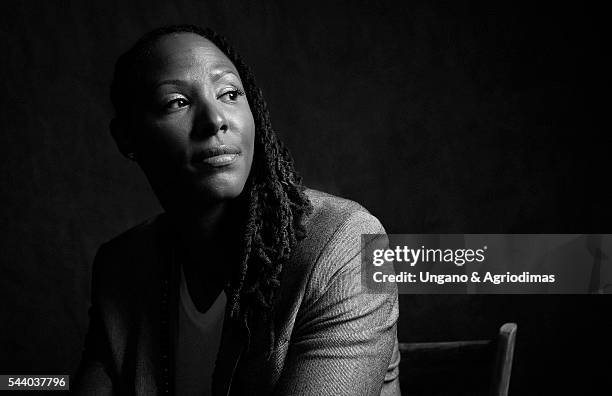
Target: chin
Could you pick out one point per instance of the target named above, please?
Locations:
(221, 187)
(185, 189)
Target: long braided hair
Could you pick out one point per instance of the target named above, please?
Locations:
(274, 198)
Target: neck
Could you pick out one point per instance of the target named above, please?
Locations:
(199, 226)
(212, 230)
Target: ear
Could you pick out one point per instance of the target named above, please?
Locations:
(122, 135)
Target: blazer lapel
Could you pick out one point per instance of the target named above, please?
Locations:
(152, 361)
(233, 343)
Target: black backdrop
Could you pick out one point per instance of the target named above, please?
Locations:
(438, 117)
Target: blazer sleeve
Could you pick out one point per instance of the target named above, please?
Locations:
(92, 376)
(345, 338)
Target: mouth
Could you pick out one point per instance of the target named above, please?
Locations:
(216, 156)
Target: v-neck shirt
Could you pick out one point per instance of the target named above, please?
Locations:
(197, 344)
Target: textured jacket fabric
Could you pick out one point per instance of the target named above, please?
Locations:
(331, 337)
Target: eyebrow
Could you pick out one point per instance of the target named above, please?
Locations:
(169, 82)
(216, 76)
(219, 74)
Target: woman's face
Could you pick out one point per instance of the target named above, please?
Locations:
(194, 130)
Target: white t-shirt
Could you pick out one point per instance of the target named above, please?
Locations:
(199, 336)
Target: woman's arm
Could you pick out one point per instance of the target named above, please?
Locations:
(345, 337)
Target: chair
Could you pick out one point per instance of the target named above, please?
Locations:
(476, 367)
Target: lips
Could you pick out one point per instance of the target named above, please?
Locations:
(216, 156)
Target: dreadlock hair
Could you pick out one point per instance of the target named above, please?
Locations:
(275, 202)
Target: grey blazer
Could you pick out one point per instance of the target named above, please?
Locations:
(332, 338)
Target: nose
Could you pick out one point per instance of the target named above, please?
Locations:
(210, 120)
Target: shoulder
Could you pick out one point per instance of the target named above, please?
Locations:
(332, 214)
(328, 268)
(139, 236)
(125, 254)
(333, 238)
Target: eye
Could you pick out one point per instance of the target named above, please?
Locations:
(231, 95)
(176, 103)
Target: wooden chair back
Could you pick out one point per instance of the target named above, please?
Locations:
(474, 367)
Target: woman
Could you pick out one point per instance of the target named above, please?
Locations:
(248, 283)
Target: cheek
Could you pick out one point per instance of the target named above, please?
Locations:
(251, 140)
(249, 133)
(243, 125)
(166, 138)
(250, 144)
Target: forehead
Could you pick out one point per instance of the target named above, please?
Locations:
(185, 53)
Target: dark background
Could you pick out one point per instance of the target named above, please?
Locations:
(437, 117)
